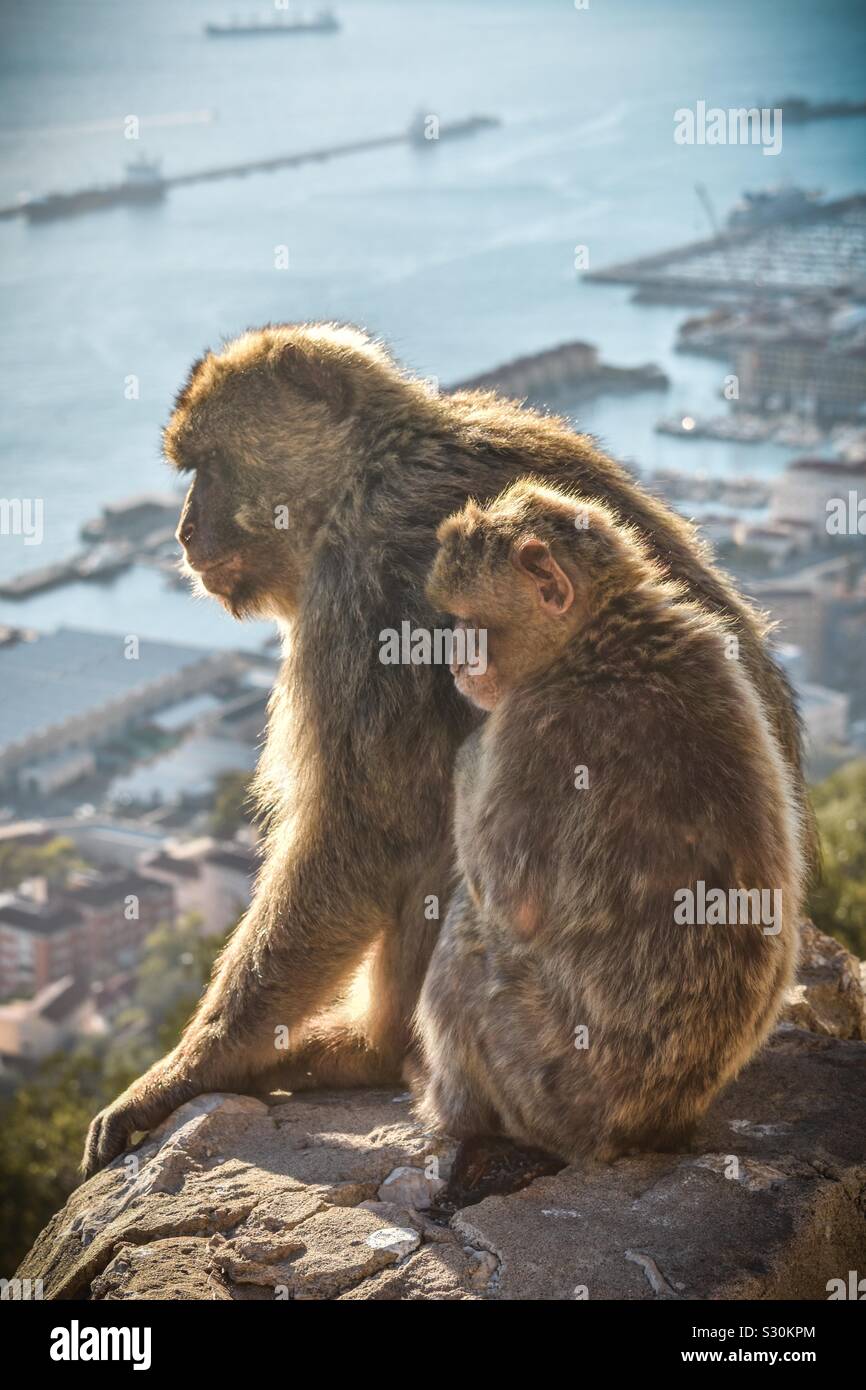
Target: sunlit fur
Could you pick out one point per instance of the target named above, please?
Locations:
(564, 913)
(355, 782)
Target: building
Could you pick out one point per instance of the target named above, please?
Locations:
(824, 714)
(777, 372)
(116, 915)
(31, 1029)
(808, 358)
(775, 541)
(844, 641)
(52, 774)
(211, 878)
(806, 355)
(802, 492)
(69, 691)
(796, 608)
(89, 929)
(105, 842)
(40, 943)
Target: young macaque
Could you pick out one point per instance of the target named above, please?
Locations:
(626, 920)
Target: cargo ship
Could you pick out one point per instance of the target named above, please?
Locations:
(797, 111)
(422, 134)
(769, 205)
(143, 184)
(323, 22)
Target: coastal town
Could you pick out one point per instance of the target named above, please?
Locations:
(122, 755)
(125, 764)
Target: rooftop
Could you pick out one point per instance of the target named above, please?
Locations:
(55, 1002)
(36, 917)
(843, 467)
(167, 863)
(242, 858)
(100, 891)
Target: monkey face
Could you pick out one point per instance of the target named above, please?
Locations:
(232, 546)
(265, 426)
(508, 586)
(519, 641)
(476, 677)
(530, 569)
(216, 551)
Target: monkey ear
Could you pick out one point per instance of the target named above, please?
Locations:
(555, 589)
(317, 375)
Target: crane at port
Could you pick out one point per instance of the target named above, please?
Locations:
(708, 207)
(722, 236)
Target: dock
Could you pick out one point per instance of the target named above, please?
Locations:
(821, 249)
(39, 580)
(113, 195)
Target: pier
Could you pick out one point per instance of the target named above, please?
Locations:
(56, 205)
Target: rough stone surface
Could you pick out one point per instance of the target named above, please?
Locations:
(327, 1196)
(830, 993)
(770, 1204)
(411, 1185)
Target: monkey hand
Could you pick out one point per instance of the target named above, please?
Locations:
(141, 1107)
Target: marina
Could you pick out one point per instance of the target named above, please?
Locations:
(137, 530)
(744, 428)
(822, 246)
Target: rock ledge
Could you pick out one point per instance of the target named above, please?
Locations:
(332, 1195)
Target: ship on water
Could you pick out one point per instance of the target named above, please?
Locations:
(797, 110)
(424, 130)
(143, 183)
(323, 22)
(776, 204)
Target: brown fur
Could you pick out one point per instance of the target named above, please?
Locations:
(566, 912)
(356, 777)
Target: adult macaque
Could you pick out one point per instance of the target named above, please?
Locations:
(621, 939)
(320, 474)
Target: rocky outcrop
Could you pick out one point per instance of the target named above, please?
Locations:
(830, 994)
(343, 1196)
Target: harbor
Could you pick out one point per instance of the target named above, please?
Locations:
(791, 432)
(140, 529)
(144, 182)
(817, 246)
(136, 530)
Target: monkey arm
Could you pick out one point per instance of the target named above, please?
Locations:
(309, 925)
(513, 868)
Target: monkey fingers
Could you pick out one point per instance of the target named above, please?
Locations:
(141, 1108)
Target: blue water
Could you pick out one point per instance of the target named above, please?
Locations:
(460, 255)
